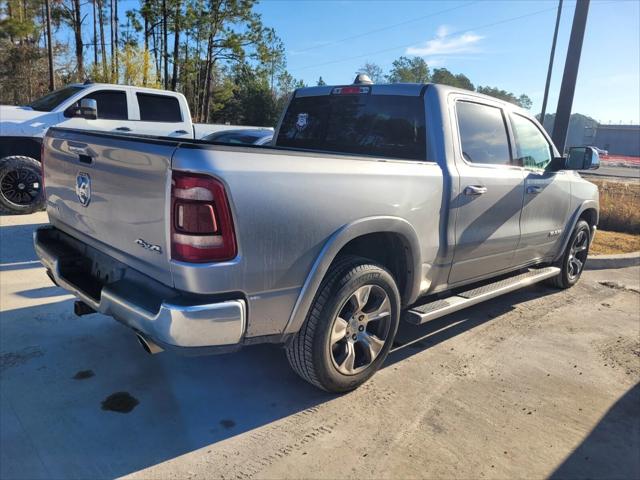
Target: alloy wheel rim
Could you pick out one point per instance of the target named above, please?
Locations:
(20, 186)
(360, 329)
(577, 254)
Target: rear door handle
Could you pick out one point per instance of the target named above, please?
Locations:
(475, 190)
(180, 132)
(123, 129)
(534, 189)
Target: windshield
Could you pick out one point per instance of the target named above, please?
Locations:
(53, 99)
(391, 126)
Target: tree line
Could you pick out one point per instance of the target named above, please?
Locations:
(218, 53)
(416, 70)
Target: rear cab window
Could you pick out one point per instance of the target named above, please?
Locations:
(388, 126)
(159, 108)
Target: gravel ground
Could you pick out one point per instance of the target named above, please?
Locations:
(534, 384)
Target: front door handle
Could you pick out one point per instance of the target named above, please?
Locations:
(123, 129)
(475, 190)
(534, 189)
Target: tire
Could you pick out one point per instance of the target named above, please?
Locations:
(365, 293)
(574, 257)
(20, 185)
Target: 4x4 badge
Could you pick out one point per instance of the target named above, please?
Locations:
(83, 188)
(149, 246)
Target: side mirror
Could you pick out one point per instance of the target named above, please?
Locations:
(89, 108)
(581, 158)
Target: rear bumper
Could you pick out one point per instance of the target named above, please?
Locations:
(170, 318)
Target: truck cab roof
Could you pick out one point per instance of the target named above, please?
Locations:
(120, 86)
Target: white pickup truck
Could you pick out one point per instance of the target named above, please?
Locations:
(86, 106)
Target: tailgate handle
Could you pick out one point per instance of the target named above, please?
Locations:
(78, 149)
(82, 152)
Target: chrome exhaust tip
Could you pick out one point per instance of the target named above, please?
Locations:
(150, 347)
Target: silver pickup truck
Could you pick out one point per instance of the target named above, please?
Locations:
(374, 203)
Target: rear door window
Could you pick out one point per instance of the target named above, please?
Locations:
(391, 126)
(483, 134)
(159, 108)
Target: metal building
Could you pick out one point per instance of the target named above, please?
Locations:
(618, 139)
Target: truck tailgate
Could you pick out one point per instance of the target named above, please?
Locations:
(112, 191)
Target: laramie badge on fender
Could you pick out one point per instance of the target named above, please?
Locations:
(149, 246)
(83, 188)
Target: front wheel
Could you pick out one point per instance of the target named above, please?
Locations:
(20, 185)
(350, 327)
(574, 258)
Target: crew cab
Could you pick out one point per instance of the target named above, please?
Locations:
(374, 203)
(87, 106)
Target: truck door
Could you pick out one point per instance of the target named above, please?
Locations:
(113, 112)
(547, 194)
(490, 194)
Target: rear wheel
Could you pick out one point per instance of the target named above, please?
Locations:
(350, 327)
(20, 185)
(574, 258)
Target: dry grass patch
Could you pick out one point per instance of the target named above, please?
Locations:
(614, 242)
(619, 206)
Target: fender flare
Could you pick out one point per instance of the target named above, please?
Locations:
(331, 248)
(586, 205)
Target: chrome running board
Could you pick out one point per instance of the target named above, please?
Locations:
(440, 307)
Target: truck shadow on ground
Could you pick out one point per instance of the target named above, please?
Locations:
(412, 339)
(16, 244)
(59, 371)
(610, 450)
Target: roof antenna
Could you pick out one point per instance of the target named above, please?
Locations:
(362, 79)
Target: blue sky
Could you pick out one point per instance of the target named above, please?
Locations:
(482, 39)
(501, 43)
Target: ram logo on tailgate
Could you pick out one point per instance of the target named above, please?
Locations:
(83, 188)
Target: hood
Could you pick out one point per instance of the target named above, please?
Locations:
(24, 121)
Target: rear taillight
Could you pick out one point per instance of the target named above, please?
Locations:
(201, 224)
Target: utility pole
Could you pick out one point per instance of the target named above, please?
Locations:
(568, 87)
(52, 79)
(550, 69)
(113, 50)
(115, 39)
(95, 37)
